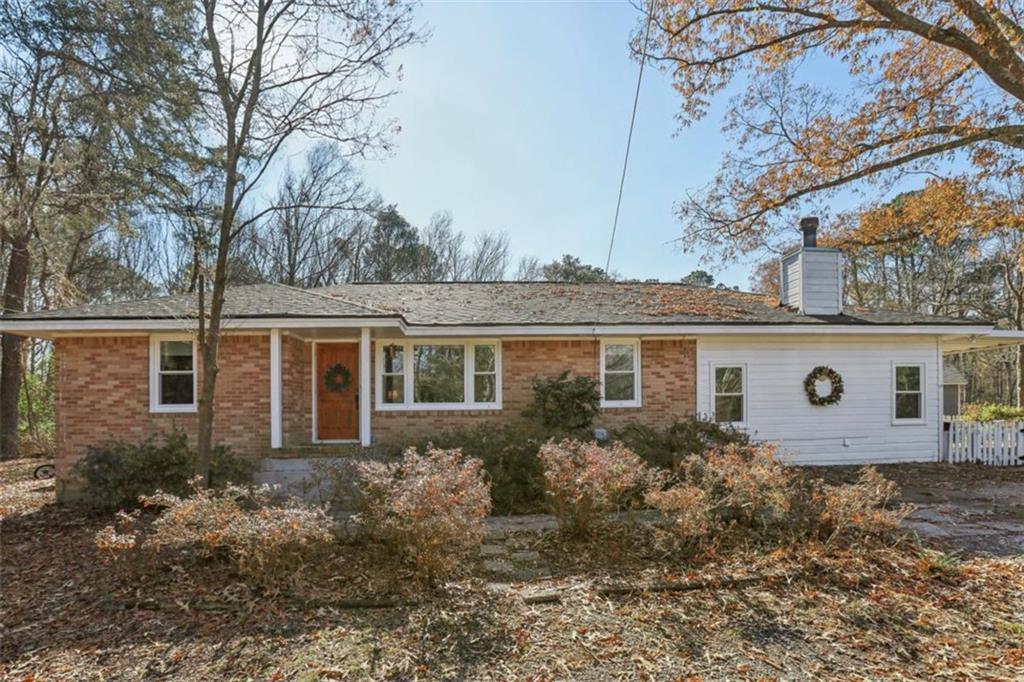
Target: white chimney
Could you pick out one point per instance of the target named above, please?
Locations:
(811, 277)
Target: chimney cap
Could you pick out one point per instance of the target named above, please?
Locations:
(809, 226)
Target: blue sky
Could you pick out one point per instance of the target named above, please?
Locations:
(514, 117)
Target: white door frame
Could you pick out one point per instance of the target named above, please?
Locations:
(315, 381)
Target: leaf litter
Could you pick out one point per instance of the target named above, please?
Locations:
(894, 611)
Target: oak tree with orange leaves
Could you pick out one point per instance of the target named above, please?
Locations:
(931, 87)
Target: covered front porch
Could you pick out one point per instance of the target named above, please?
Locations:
(320, 388)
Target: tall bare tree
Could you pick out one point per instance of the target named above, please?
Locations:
(275, 71)
(321, 206)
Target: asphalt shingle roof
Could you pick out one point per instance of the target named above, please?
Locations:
(498, 303)
(255, 300)
(554, 303)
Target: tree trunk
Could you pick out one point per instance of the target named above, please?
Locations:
(11, 364)
(209, 341)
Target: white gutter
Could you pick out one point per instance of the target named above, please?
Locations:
(186, 324)
(51, 326)
(693, 330)
(996, 338)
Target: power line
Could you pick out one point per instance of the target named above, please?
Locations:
(629, 138)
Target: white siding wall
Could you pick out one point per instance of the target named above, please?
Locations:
(790, 285)
(860, 428)
(822, 289)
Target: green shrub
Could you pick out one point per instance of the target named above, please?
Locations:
(565, 404)
(989, 412)
(666, 448)
(118, 473)
(509, 455)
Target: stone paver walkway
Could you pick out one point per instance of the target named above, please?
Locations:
(506, 553)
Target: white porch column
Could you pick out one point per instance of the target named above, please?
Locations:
(275, 389)
(364, 387)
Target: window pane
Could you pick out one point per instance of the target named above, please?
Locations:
(618, 358)
(729, 408)
(483, 388)
(908, 405)
(728, 380)
(483, 357)
(176, 389)
(394, 389)
(908, 378)
(176, 356)
(618, 387)
(393, 359)
(439, 374)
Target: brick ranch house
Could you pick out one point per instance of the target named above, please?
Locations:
(366, 363)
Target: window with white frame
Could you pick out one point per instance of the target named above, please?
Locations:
(439, 374)
(730, 393)
(392, 390)
(908, 398)
(485, 373)
(172, 377)
(620, 373)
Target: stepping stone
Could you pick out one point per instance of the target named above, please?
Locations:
(492, 550)
(497, 588)
(532, 573)
(543, 597)
(525, 555)
(498, 566)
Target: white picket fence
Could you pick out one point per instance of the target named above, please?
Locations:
(997, 443)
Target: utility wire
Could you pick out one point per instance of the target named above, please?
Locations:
(629, 138)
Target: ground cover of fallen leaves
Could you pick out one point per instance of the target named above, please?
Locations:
(886, 611)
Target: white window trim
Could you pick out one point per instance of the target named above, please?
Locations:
(154, 374)
(469, 373)
(714, 391)
(638, 391)
(907, 421)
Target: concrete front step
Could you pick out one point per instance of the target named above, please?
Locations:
(319, 450)
(319, 480)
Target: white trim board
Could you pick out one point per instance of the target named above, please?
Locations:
(52, 327)
(468, 375)
(154, 375)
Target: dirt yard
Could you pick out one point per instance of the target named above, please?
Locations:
(899, 611)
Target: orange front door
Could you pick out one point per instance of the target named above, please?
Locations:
(337, 392)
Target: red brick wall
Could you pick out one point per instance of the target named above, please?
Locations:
(103, 391)
(103, 395)
(668, 384)
(296, 398)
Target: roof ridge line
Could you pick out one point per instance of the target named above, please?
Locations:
(337, 299)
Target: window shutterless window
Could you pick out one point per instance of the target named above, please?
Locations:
(392, 390)
(172, 375)
(620, 373)
(908, 395)
(730, 393)
(440, 374)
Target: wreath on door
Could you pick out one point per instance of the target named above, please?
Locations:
(823, 373)
(337, 378)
